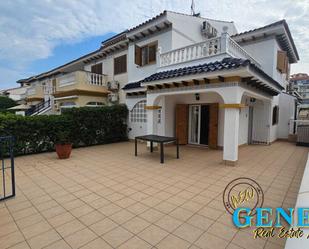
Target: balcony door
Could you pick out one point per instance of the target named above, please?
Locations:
(198, 124)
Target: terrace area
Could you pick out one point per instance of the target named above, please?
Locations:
(104, 197)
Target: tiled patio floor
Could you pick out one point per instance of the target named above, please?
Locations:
(104, 197)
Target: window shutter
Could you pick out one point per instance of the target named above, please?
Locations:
(152, 53)
(281, 61)
(97, 68)
(138, 55)
(120, 64)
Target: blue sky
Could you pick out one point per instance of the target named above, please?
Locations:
(37, 35)
(67, 52)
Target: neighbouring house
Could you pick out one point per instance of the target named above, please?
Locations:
(299, 84)
(18, 93)
(186, 76)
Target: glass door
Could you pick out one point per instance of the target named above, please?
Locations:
(194, 121)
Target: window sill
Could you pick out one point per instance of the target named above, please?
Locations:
(150, 64)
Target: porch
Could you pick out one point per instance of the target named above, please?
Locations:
(101, 198)
(221, 116)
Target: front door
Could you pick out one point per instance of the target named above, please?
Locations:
(182, 123)
(199, 124)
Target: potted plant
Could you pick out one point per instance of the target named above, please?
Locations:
(63, 144)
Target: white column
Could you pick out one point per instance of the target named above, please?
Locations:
(231, 131)
(152, 122)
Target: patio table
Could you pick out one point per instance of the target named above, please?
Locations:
(158, 139)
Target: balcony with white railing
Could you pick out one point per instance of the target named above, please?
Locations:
(82, 80)
(218, 46)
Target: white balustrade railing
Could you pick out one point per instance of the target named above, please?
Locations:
(192, 52)
(237, 51)
(210, 47)
(90, 78)
(96, 79)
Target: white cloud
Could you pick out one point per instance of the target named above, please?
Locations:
(30, 30)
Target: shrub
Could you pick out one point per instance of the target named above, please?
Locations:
(5, 103)
(84, 126)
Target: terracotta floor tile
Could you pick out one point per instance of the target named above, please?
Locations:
(80, 238)
(173, 242)
(121, 216)
(188, 232)
(136, 225)
(153, 234)
(151, 215)
(44, 239)
(209, 241)
(168, 223)
(200, 221)
(91, 218)
(70, 228)
(181, 214)
(61, 219)
(60, 244)
(103, 226)
(135, 243)
(97, 244)
(11, 239)
(36, 229)
(117, 236)
(184, 197)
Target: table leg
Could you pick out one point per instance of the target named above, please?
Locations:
(135, 147)
(151, 146)
(177, 148)
(162, 152)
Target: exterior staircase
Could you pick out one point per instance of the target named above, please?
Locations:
(39, 108)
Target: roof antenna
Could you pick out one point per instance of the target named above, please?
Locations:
(193, 13)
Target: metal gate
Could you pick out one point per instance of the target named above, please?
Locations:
(7, 174)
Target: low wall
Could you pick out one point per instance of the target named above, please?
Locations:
(302, 201)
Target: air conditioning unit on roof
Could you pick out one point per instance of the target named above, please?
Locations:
(208, 31)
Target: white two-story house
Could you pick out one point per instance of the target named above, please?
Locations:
(191, 77)
(207, 84)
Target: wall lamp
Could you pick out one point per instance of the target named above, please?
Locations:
(197, 96)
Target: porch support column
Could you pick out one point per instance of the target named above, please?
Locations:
(231, 131)
(152, 121)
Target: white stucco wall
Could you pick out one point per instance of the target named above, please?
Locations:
(135, 72)
(265, 52)
(286, 112)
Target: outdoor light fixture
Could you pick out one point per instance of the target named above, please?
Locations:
(197, 96)
(252, 100)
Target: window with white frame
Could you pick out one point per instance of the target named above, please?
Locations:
(138, 113)
(159, 116)
(94, 103)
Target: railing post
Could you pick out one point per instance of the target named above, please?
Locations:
(160, 63)
(224, 43)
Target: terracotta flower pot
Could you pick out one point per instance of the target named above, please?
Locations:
(63, 150)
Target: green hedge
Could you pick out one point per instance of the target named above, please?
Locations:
(86, 126)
